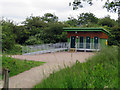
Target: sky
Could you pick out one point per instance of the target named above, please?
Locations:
(19, 10)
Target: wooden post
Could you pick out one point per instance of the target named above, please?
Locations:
(6, 79)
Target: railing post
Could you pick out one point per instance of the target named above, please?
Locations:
(6, 79)
(22, 50)
(90, 45)
(85, 47)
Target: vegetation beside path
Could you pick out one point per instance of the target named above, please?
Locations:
(100, 71)
(17, 66)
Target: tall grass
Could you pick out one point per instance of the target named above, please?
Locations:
(99, 71)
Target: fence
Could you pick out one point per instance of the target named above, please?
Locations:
(44, 48)
(88, 46)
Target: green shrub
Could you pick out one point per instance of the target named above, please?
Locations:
(33, 40)
(17, 49)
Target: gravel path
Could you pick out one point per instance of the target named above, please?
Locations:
(55, 61)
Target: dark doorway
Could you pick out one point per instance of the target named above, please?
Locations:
(88, 42)
(95, 42)
(73, 39)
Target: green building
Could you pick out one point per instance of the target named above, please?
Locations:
(87, 38)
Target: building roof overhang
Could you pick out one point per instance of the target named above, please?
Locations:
(87, 29)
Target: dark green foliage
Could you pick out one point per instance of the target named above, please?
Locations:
(114, 39)
(33, 41)
(107, 21)
(48, 17)
(86, 18)
(113, 5)
(110, 5)
(17, 49)
(72, 21)
(52, 33)
(22, 34)
(17, 66)
(8, 37)
(100, 71)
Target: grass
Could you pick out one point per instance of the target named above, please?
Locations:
(100, 71)
(17, 66)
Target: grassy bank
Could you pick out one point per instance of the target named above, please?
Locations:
(100, 71)
(17, 66)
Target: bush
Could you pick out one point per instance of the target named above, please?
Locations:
(17, 49)
(32, 41)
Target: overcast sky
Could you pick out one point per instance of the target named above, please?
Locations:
(18, 10)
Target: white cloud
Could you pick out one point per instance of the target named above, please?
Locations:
(18, 10)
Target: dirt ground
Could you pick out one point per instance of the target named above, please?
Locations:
(54, 62)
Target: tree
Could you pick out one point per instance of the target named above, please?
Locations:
(48, 17)
(52, 33)
(33, 25)
(86, 18)
(107, 21)
(115, 36)
(8, 37)
(114, 5)
(22, 34)
(78, 3)
(72, 21)
(34, 22)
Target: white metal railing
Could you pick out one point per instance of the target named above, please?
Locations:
(88, 46)
(45, 47)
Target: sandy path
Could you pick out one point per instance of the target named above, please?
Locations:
(55, 61)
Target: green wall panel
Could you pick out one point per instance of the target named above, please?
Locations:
(68, 40)
(102, 42)
(92, 43)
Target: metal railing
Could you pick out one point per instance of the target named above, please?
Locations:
(88, 46)
(44, 48)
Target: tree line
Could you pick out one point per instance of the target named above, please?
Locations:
(48, 29)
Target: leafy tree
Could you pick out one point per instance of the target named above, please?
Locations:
(72, 21)
(8, 37)
(115, 36)
(86, 18)
(110, 5)
(22, 34)
(51, 34)
(34, 24)
(48, 17)
(33, 40)
(34, 21)
(107, 21)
